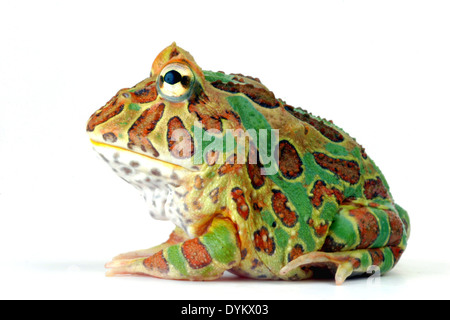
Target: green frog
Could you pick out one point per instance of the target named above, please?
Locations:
(253, 185)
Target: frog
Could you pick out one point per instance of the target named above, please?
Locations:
(321, 208)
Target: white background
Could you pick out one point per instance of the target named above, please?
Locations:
(378, 69)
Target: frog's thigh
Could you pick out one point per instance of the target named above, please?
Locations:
(202, 258)
(359, 238)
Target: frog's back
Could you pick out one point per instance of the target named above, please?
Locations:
(321, 169)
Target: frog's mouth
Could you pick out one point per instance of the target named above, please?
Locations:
(158, 181)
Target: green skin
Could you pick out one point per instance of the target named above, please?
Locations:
(327, 206)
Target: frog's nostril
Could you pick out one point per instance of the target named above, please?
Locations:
(126, 95)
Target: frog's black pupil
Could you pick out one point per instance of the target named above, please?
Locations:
(172, 77)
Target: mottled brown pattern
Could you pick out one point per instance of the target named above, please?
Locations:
(157, 262)
(279, 205)
(214, 195)
(143, 126)
(320, 190)
(230, 165)
(396, 228)
(211, 157)
(331, 245)
(198, 182)
(110, 137)
(111, 109)
(368, 227)
(397, 252)
(377, 256)
(261, 96)
(198, 106)
(254, 169)
(263, 242)
(241, 205)
(295, 252)
(180, 141)
(174, 53)
(289, 161)
(375, 188)
(320, 230)
(347, 170)
(144, 95)
(327, 131)
(196, 253)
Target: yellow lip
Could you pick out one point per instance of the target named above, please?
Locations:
(156, 161)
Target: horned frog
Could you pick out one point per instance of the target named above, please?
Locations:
(326, 208)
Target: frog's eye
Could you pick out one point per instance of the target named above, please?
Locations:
(175, 82)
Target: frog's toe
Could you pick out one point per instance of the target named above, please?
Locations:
(125, 267)
(342, 264)
(136, 254)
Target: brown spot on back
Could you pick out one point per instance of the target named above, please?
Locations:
(375, 188)
(279, 205)
(196, 254)
(261, 96)
(143, 126)
(327, 131)
(347, 170)
(241, 205)
(320, 190)
(254, 169)
(289, 161)
(180, 141)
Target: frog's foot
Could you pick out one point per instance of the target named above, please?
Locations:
(344, 264)
(154, 265)
(144, 253)
(177, 236)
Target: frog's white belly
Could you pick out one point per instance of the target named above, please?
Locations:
(158, 182)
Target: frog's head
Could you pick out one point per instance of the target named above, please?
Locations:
(153, 117)
(147, 133)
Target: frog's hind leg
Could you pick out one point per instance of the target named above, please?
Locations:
(364, 237)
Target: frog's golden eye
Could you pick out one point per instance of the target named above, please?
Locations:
(175, 82)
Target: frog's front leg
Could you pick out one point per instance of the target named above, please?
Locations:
(202, 258)
(178, 235)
